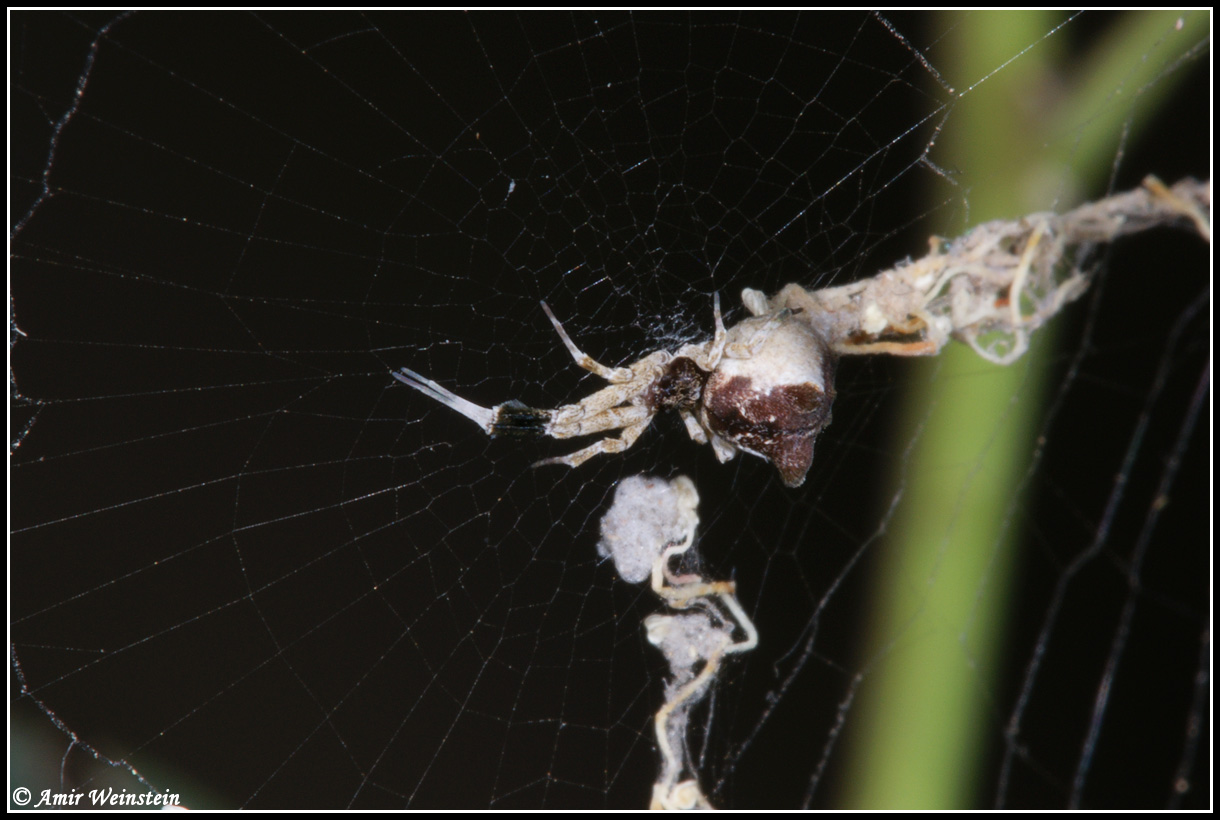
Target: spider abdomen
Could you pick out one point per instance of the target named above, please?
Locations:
(774, 401)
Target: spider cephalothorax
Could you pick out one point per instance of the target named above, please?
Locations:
(679, 387)
(764, 386)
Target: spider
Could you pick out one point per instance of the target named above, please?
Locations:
(764, 386)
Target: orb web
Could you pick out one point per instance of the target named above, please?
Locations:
(250, 568)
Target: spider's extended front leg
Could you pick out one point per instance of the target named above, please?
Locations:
(512, 418)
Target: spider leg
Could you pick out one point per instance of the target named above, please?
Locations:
(616, 375)
(575, 420)
(718, 340)
(512, 418)
(707, 355)
(725, 452)
(693, 428)
(606, 445)
(485, 417)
